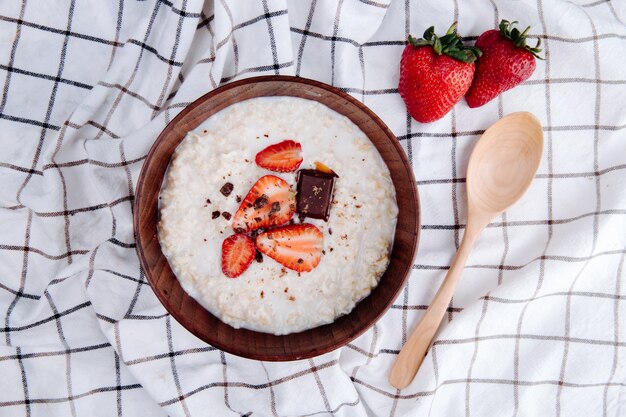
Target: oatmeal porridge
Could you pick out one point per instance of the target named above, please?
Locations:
(283, 249)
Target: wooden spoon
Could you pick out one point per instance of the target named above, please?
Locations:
(501, 168)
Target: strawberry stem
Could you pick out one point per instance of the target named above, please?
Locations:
(508, 30)
(449, 44)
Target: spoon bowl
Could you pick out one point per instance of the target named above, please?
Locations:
(504, 163)
(501, 168)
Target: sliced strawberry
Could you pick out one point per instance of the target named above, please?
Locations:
(238, 251)
(285, 156)
(298, 247)
(270, 202)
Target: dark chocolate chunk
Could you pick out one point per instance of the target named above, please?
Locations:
(226, 215)
(261, 202)
(226, 189)
(238, 199)
(258, 256)
(314, 193)
(215, 214)
(208, 201)
(275, 207)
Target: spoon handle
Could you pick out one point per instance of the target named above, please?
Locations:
(413, 352)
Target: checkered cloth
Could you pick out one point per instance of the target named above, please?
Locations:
(537, 325)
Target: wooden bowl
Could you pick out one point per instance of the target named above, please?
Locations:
(247, 343)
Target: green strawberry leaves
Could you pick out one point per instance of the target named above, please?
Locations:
(450, 44)
(508, 30)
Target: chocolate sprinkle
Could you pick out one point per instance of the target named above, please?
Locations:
(275, 207)
(226, 189)
(215, 214)
(226, 215)
(261, 202)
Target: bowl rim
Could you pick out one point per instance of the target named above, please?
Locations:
(139, 192)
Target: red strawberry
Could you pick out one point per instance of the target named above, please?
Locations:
(298, 247)
(506, 62)
(435, 73)
(237, 253)
(285, 156)
(270, 202)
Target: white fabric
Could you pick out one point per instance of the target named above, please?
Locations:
(537, 325)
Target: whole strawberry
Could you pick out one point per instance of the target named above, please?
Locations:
(506, 62)
(435, 73)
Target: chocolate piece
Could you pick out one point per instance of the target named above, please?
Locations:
(238, 199)
(226, 189)
(261, 202)
(314, 193)
(226, 215)
(215, 214)
(258, 256)
(275, 207)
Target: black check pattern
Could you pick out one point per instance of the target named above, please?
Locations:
(536, 328)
